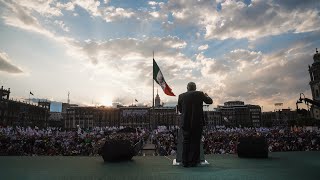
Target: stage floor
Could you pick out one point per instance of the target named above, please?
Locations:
(282, 165)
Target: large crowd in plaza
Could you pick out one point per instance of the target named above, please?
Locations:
(28, 141)
(224, 141)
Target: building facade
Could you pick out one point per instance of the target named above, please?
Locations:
(255, 115)
(135, 116)
(107, 116)
(279, 117)
(55, 119)
(213, 119)
(89, 117)
(165, 116)
(16, 113)
(79, 117)
(314, 71)
(131, 116)
(237, 114)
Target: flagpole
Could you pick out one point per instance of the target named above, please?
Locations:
(152, 87)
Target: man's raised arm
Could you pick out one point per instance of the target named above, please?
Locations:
(207, 99)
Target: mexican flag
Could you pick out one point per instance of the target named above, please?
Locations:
(158, 77)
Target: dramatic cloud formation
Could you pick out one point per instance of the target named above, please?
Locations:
(6, 66)
(21, 17)
(253, 77)
(260, 18)
(254, 51)
(236, 19)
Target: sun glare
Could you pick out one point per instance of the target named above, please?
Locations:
(106, 101)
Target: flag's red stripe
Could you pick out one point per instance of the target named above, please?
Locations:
(168, 91)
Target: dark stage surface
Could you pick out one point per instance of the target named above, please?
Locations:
(282, 165)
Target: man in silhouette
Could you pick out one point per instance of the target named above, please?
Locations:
(190, 105)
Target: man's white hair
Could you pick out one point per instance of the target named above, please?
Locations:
(191, 86)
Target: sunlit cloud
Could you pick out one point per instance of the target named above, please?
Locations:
(7, 66)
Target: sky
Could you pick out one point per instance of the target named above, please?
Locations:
(101, 51)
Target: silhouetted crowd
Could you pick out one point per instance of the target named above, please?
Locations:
(54, 142)
(224, 141)
(165, 142)
(21, 141)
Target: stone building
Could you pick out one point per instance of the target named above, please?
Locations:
(55, 119)
(17, 113)
(213, 119)
(237, 114)
(165, 116)
(89, 117)
(279, 117)
(314, 71)
(135, 116)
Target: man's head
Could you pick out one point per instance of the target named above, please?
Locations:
(191, 86)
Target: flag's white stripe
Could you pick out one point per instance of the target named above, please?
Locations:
(160, 80)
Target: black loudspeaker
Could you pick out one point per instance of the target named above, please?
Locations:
(117, 150)
(252, 147)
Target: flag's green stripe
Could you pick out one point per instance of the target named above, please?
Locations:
(156, 69)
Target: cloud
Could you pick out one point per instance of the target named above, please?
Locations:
(114, 54)
(89, 5)
(127, 48)
(212, 66)
(94, 8)
(111, 13)
(43, 7)
(7, 66)
(238, 20)
(261, 18)
(67, 6)
(203, 47)
(294, 4)
(53, 8)
(62, 25)
(188, 12)
(21, 17)
(153, 4)
(258, 78)
(235, 20)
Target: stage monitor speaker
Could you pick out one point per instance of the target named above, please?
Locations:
(252, 147)
(117, 150)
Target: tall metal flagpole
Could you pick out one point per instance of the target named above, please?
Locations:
(152, 88)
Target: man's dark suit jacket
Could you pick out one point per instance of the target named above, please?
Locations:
(190, 104)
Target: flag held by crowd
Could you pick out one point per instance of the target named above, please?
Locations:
(158, 77)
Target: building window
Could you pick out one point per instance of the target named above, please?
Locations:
(317, 93)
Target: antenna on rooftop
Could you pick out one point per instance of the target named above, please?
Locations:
(68, 97)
